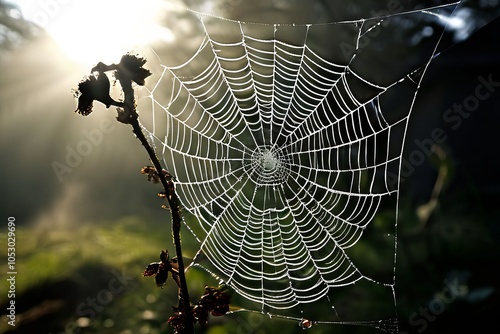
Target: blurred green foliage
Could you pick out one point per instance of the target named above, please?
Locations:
(457, 243)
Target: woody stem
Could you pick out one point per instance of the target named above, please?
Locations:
(130, 116)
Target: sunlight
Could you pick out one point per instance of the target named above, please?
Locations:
(93, 30)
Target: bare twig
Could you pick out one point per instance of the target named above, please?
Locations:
(215, 301)
(128, 115)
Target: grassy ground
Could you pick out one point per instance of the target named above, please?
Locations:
(87, 279)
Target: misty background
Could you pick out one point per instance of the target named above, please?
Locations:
(102, 205)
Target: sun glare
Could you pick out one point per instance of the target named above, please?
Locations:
(94, 30)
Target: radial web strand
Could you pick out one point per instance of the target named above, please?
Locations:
(286, 142)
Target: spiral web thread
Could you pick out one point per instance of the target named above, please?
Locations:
(284, 158)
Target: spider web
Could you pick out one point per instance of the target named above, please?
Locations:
(286, 141)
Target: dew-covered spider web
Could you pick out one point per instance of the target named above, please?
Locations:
(286, 142)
